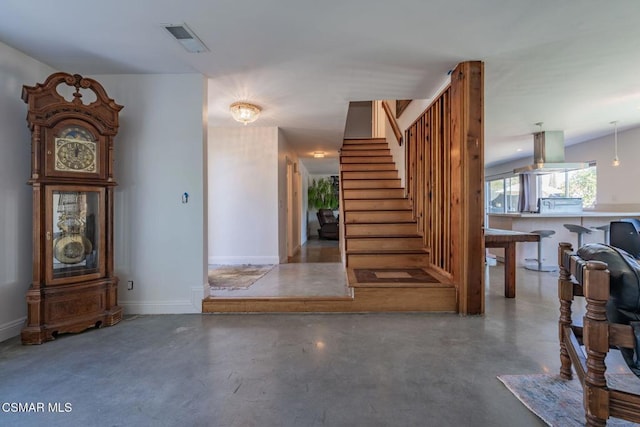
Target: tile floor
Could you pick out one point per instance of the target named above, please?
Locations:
(315, 270)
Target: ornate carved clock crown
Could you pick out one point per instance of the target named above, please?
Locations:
(73, 286)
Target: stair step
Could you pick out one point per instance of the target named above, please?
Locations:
(375, 278)
(373, 204)
(369, 175)
(384, 243)
(365, 146)
(365, 299)
(358, 141)
(368, 167)
(367, 217)
(366, 159)
(381, 229)
(348, 184)
(365, 153)
(373, 193)
(388, 260)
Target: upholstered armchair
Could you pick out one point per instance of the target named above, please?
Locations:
(328, 224)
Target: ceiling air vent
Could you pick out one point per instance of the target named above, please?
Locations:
(186, 37)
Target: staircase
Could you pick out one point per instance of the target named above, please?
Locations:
(386, 261)
(384, 252)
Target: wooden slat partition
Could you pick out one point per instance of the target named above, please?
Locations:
(445, 182)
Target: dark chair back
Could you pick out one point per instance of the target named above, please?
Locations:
(625, 234)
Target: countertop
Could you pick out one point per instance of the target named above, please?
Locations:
(592, 214)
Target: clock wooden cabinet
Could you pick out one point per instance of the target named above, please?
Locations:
(74, 287)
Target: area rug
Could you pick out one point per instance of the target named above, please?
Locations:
(236, 276)
(559, 402)
(393, 275)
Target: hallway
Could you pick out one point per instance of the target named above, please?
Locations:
(295, 369)
(314, 271)
(316, 250)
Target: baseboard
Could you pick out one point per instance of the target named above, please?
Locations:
(11, 329)
(198, 293)
(240, 260)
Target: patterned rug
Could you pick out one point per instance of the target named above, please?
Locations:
(236, 276)
(393, 275)
(558, 402)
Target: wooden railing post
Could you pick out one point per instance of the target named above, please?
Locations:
(467, 181)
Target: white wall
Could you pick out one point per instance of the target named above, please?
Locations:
(16, 69)
(616, 185)
(358, 123)
(304, 202)
(159, 241)
(285, 153)
(243, 195)
(409, 115)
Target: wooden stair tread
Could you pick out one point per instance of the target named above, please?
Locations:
(385, 236)
(430, 282)
(385, 223)
(365, 140)
(378, 210)
(386, 251)
(388, 198)
(371, 178)
(380, 151)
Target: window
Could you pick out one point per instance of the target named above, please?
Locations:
(503, 195)
(578, 183)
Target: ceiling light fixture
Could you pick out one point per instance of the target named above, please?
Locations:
(616, 161)
(318, 154)
(244, 112)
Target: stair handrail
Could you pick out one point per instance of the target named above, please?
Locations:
(392, 121)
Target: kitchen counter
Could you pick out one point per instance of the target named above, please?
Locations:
(590, 214)
(527, 222)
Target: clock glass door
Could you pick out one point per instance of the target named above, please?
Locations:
(75, 234)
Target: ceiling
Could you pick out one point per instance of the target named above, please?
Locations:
(573, 65)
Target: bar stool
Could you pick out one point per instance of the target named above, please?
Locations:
(579, 230)
(538, 266)
(605, 228)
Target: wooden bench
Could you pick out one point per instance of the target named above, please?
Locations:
(591, 280)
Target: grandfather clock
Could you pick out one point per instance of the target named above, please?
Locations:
(74, 287)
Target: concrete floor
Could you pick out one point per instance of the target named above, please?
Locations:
(293, 370)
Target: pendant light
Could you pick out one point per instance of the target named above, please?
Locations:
(616, 160)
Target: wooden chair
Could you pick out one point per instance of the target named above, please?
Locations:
(591, 280)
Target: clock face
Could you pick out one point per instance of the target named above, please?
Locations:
(76, 151)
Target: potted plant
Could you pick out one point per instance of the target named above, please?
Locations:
(322, 194)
